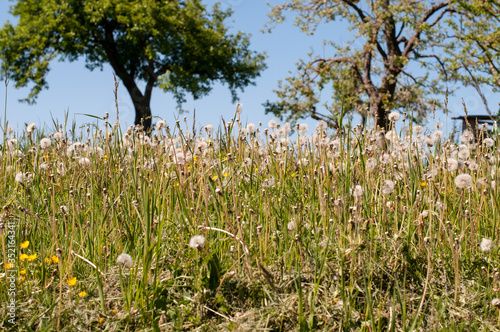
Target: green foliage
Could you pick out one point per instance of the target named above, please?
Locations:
(176, 45)
(384, 64)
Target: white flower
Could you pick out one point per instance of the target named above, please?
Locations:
(45, 143)
(84, 161)
(303, 128)
(388, 187)
(486, 245)
(125, 260)
(394, 116)
(250, 128)
(30, 128)
(272, 124)
(357, 191)
(463, 181)
(197, 242)
(160, 124)
(20, 177)
(488, 142)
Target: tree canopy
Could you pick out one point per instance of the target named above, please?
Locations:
(385, 66)
(177, 45)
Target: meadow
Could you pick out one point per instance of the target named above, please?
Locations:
(249, 227)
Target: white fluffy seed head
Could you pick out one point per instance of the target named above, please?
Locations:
(197, 242)
(486, 245)
(125, 260)
(463, 181)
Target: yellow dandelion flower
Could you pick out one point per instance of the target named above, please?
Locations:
(423, 183)
(47, 260)
(336, 300)
(115, 311)
(23, 257)
(225, 175)
(55, 259)
(23, 278)
(82, 294)
(71, 281)
(215, 177)
(195, 158)
(9, 266)
(293, 175)
(31, 257)
(25, 244)
(22, 272)
(101, 320)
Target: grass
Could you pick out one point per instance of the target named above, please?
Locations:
(328, 231)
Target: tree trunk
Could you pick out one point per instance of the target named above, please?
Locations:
(143, 115)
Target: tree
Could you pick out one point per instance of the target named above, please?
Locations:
(475, 58)
(177, 45)
(375, 71)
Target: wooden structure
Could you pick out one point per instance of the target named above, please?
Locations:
(476, 123)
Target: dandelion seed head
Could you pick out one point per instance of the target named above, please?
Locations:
(463, 181)
(84, 161)
(250, 128)
(394, 116)
(30, 128)
(125, 260)
(488, 142)
(45, 142)
(486, 245)
(303, 128)
(197, 242)
(291, 225)
(388, 187)
(357, 191)
(272, 124)
(495, 302)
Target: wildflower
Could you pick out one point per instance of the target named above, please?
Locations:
(71, 281)
(84, 161)
(357, 191)
(272, 124)
(125, 260)
(371, 163)
(246, 162)
(495, 302)
(388, 187)
(30, 128)
(291, 225)
(303, 128)
(55, 259)
(488, 142)
(451, 164)
(394, 116)
(418, 129)
(486, 245)
(20, 177)
(160, 124)
(321, 126)
(12, 142)
(22, 272)
(250, 128)
(209, 128)
(64, 209)
(82, 294)
(197, 242)
(58, 135)
(437, 135)
(466, 136)
(25, 244)
(268, 183)
(463, 153)
(45, 142)
(32, 257)
(47, 260)
(463, 181)
(9, 266)
(101, 320)
(23, 257)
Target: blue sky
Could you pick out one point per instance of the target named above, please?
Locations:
(75, 89)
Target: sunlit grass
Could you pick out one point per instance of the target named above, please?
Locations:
(248, 227)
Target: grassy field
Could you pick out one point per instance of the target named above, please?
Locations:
(242, 228)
